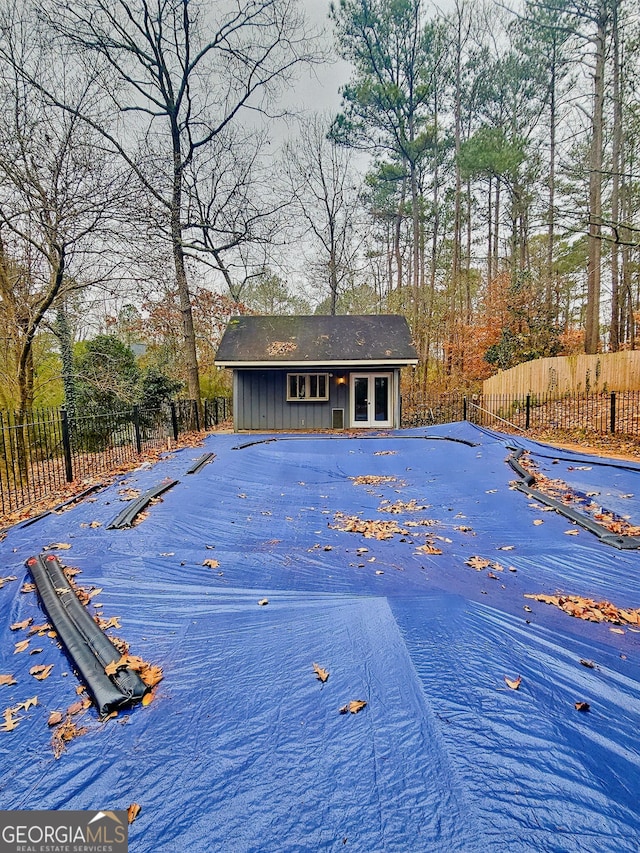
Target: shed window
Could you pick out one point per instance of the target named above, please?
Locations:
(307, 386)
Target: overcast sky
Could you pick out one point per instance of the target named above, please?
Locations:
(320, 91)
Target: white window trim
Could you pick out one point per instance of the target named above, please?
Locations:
(307, 398)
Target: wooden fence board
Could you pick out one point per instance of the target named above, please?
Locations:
(612, 371)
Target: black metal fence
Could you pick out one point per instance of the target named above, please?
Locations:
(611, 412)
(42, 450)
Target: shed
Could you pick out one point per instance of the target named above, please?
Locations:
(316, 372)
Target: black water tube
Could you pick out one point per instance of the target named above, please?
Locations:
(89, 649)
(527, 485)
(128, 514)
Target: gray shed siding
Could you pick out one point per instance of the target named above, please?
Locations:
(260, 402)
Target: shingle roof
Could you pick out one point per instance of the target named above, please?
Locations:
(318, 339)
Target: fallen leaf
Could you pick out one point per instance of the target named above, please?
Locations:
(354, 707)
(7, 680)
(39, 629)
(10, 723)
(321, 674)
(133, 811)
(513, 683)
(19, 626)
(582, 706)
(57, 546)
(212, 564)
(506, 548)
(588, 663)
(429, 549)
(538, 521)
(21, 646)
(63, 733)
(263, 601)
(572, 532)
(478, 563)
(41, 672)
(30, 703)
(148, 698)
(55, 717)
(616, 630)
(379, 572)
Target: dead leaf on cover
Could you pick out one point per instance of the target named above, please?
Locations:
(133, 811)
(19, 626)
(64, 733)
(10, 723)
(572, 532)
(7, 680)
(55, 717)
(57, 546)
(513, 683)
(321, 674)
(3, 581)
(263, 602)
(582, 706)
(148, 698)
(478, 563)
(21, 646)
(212, 564)
(41, 671)
(429, 549)
(538, 521)
(353, 707)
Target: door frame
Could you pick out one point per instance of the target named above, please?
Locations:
(371, 423)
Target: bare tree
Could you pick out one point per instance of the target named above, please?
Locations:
(181, 74)
(56, 190)
(323, 184)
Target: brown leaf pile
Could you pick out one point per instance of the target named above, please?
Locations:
(371, 529)
(480, 563)
(149, 673)
(559, 490)
(592, 611)
(65, 732)
(371, 480)
(400, 506)
(281, 347)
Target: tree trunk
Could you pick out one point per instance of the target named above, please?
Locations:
(592, 319)
(614, 335)
(182, 284)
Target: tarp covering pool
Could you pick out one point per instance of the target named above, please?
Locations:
(244, 749)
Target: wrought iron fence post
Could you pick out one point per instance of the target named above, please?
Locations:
(527, 417)
(196, 413)
(66, 445)
(612, 422)
(136, 428)
(174, 421)
(464, 408)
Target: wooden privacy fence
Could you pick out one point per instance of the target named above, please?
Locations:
(613, 412)
(43, 450)
(575, 374)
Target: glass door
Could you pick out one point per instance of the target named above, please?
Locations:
(371, 404)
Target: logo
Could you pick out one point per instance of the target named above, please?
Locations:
(64, 832)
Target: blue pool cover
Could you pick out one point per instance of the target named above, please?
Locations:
(244, 749)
